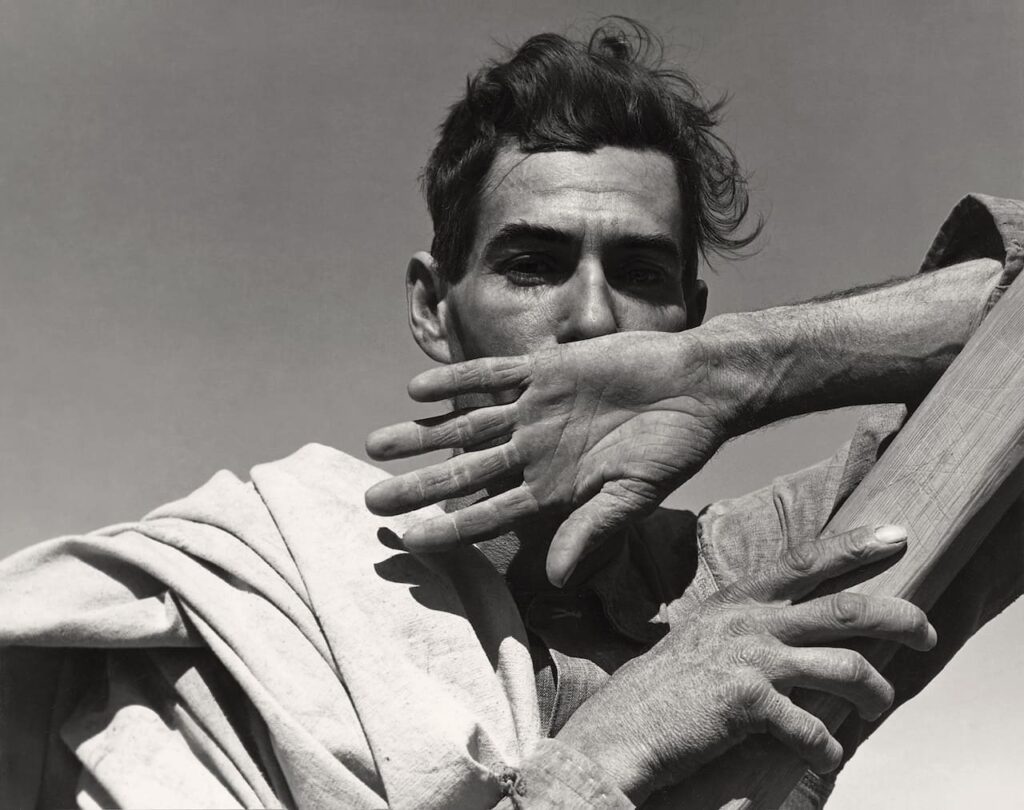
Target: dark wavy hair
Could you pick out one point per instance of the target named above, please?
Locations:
(556, 94)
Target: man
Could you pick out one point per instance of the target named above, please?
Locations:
(569, 235)
(259, 643)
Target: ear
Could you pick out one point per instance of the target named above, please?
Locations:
(696, 304)
(425, 291)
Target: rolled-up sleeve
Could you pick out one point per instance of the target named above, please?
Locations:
(740, 535)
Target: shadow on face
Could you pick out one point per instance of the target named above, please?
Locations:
(568, 246)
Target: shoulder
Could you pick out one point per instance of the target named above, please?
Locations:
(305, 487)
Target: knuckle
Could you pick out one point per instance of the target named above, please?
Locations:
(739, 623)
(857, 545)
(854, 667)
(743, 696)
(815, 734)
(457, 432)
(720, 605)
(800, 558)
(762, 582)
(848, 609)
(752, 692)
(458, 478)
(904, 617)
(730, 596)
(748, 654)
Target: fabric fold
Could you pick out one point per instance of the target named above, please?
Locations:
(262, 644)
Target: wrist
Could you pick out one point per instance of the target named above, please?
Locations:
(888, 343)
(617, 758)
(747, 361)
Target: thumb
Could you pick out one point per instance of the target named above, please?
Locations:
(588, 527)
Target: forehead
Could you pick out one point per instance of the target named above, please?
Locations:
(612, 190)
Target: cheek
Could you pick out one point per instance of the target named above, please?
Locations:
(490, 322)
(642, 316)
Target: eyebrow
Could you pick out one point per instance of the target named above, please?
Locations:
(517, 232)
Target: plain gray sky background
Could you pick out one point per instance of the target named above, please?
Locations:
(206, 210)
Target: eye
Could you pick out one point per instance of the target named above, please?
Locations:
(531, 269)
(640, 274)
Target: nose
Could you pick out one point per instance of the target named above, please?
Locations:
(588, 308)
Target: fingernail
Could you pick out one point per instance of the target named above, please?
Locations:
(933, 637)
(890, 533)
(560, 583)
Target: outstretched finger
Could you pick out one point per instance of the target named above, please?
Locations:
(461, 475)
(458, 429)
(484, 375)
(479, 521)
(587, 528)
(804, 566)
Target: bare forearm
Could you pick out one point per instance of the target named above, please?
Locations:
(884, 344)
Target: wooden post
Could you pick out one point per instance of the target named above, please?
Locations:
(948, 476)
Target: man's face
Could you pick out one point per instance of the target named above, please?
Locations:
(571, 246)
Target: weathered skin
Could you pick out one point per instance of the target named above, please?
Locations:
(592, 403)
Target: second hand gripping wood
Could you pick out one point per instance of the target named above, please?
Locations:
(948, 476)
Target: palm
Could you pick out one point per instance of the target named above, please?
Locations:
(603, 422)
(601, 432)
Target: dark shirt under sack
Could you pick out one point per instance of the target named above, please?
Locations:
(580, 638)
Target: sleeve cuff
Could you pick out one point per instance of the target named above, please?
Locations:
(1012, 266)
(556, 775)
